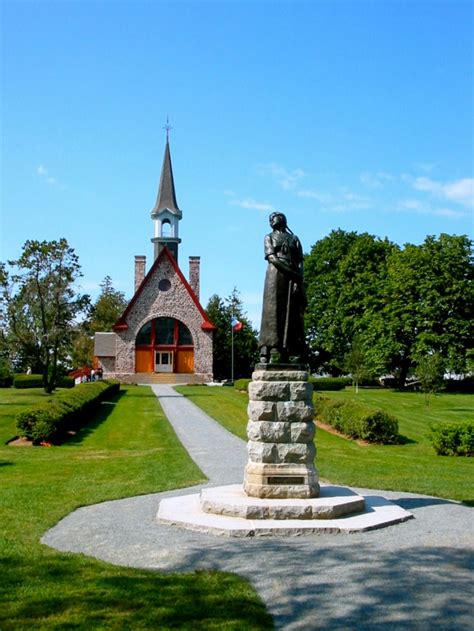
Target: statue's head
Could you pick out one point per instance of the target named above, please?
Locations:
(277, 220)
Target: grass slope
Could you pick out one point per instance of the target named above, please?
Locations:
(129, 449)
(412, 466)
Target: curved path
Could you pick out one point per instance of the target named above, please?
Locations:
(415, 575)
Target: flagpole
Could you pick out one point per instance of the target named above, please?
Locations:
(232, 351)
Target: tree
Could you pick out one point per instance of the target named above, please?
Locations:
(356, 362)
(344, 278)
(428, 306)
(430, 372)
(104, 314)
(220, 312)
(41, 305)
(401, 303)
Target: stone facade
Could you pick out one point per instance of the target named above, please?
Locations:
(280, 432)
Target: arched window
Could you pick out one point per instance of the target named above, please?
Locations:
(164, 332)
(166, 228)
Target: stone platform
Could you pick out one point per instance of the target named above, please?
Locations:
(227, 510)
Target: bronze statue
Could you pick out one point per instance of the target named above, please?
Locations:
(282, 338)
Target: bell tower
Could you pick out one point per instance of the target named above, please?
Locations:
(166, 214)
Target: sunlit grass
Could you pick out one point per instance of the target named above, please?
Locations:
(129, 449)
(412, 466)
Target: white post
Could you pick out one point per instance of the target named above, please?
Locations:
(232, 350)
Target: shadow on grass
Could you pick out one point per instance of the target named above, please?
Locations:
(404, 440)
(106, 408)
(68, 592)
(6, 463)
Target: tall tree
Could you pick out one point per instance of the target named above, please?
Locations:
(428, 306)
(41, 304)
(400, 304)
(221, 313)
(344, 277)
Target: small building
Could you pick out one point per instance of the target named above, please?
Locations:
(164, 330)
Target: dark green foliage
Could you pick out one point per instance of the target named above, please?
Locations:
(357, 420)
(381, 308)
(465, 385)
(330, 383)
(28, 381)
(242, 384)
(453, 439)
(66, 382)
(41, 307)
(68, 410)
(6, 376)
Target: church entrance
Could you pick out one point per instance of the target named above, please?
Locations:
(164, 345)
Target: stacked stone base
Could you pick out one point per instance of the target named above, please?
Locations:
(281, 432)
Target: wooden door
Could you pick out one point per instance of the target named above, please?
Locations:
(185, 362)
(143, 361)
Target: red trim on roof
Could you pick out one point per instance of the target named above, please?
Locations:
(121, 324)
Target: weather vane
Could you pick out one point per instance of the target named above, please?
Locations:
(167, 127)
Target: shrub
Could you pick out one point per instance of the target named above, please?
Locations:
(465, 385)
(28, 381)
(330, 383)
(65, 411)
(6, 377)
(242, 384)
(453, 438)
(357, 420)
(66, 382)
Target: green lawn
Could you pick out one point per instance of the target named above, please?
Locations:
(129, 449)
(413, 466)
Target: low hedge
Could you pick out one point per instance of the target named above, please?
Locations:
(67, 410)
(330, 383)
(6, 381)
(242, 384)
(357, 420)
(28, 381)
(453, 438)
(66, 382)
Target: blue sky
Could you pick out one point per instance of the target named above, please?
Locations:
(354, 115)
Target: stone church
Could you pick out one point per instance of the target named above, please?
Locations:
(164, 330)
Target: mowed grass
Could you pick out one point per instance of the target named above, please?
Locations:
(128, 449)
(412, 466)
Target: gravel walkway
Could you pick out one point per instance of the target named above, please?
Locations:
(416, 575)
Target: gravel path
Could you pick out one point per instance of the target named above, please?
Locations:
(416, 575)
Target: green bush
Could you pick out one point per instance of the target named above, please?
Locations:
(453, 438)
(66, 382)
(357, 420)
(67, 410)
(242, 384)
(330, 383)
(465, 385)
(28, 381)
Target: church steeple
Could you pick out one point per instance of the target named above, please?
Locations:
(166, 213)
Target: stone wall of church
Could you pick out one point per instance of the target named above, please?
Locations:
(162, 299)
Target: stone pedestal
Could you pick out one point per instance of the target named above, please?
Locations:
(280, 432)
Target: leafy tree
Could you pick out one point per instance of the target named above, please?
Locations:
(220, 313)
(41, 305)
(428, 306)
(104, 314)
(344, 277)
(356, 363)
(430, 372)
(401, 303)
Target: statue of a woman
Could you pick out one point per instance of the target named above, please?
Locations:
(282, 338)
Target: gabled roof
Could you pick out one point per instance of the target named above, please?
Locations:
(121, 324)
(166, 198)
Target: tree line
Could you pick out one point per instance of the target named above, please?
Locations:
(374, 308)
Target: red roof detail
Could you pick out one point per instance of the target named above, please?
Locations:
(121, 324)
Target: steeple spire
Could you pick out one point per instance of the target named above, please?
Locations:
(166, 197)
(166, 213)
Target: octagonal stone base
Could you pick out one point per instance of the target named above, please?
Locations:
(285, 516)
(231, 500)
